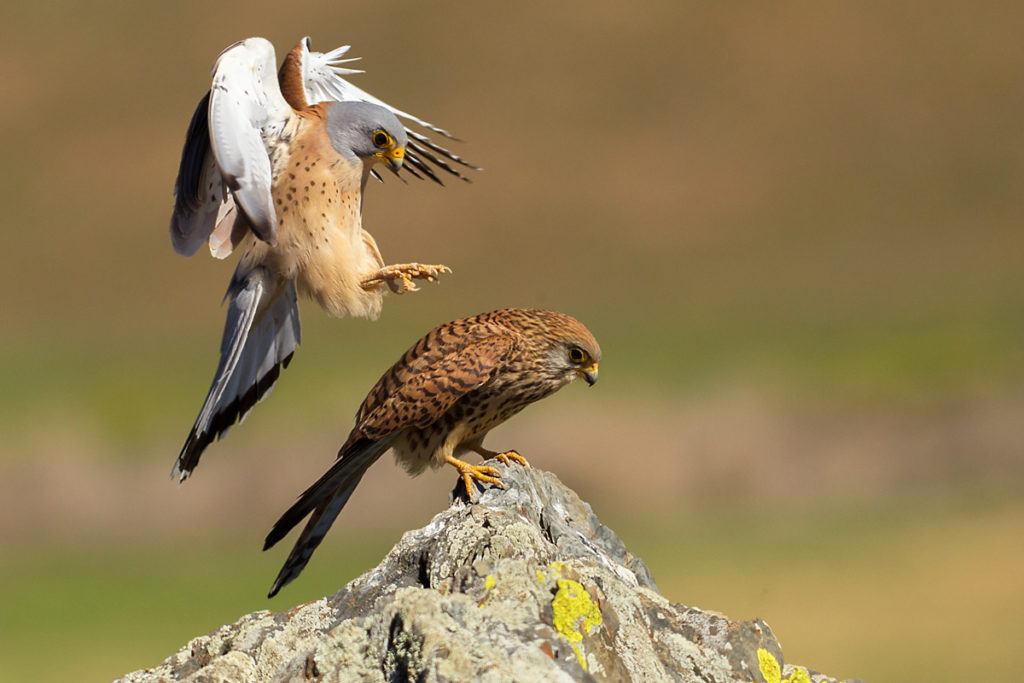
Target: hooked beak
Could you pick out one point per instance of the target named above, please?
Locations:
(589, 373)
(394, 158)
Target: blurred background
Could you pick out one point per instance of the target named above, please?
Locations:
(795, 230)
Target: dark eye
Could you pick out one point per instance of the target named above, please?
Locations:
(381, 139)
(577, 355)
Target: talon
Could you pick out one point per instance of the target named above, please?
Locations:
(504, 456)
(400, 278)
(512, 455)
(482, 473)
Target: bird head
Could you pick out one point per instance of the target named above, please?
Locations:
(367, 132)
(572, 350)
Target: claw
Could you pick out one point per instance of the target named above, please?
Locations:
(400, 278)
(482, 473)
(504, 456)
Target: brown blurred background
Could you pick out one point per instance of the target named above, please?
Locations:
(795, 229)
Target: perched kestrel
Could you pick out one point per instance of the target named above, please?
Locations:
(440, 400)
(275, 165)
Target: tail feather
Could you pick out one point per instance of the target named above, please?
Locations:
(261, 334)
(324, 500)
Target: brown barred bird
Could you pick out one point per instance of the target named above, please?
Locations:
(274, 166)
(439, 401)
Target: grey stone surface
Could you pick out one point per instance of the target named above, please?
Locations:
(524, 585)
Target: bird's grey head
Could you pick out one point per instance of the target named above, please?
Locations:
(364, 131)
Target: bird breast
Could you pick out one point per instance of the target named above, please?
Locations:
(469, 420)
(317, 198)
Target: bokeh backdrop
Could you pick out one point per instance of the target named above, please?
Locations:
(795, 229)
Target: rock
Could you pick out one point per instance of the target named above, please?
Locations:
(524, 585)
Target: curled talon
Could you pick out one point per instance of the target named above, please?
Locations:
(512, 455)
(402, 278)
(504, 456)
(482, 473)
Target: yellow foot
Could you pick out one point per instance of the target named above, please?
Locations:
(512, 455)
(505, 456)
(484, 473)
(401, 278)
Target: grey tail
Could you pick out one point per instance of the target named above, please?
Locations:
(324, 499)
(260, 336)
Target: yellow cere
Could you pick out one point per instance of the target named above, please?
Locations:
(571, 604)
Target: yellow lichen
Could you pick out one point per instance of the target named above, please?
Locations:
(799, 676)
(571, 603)
(772, 672)
(540, 576)
(489, 582)
(769, 666)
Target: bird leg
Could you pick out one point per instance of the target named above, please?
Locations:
(399, 278)
(484, 473)
(504, 456)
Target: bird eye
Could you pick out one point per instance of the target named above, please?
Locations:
(577, 355)
(381, 139)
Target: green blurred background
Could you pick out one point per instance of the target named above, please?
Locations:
(795, 229)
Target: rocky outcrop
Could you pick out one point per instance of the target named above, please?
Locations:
(524, 585)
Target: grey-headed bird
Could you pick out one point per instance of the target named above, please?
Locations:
(274, 166)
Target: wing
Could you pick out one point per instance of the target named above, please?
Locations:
(427, 393)
(246, 115)
(201, 200)
(322, 80)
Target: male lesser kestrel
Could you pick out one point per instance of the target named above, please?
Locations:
(439, 401)
(275, 164)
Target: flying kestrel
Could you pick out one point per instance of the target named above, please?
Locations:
(275, 165)
(439, 401)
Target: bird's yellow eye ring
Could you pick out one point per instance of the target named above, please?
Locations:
(577, 355)
(381, 140)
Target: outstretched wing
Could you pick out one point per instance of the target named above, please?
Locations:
(201, 201)
(247, 111)
(225, 174)
(322, 79)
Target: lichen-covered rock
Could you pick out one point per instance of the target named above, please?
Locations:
(524, 585)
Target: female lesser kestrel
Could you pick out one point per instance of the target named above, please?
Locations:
(439, 401)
